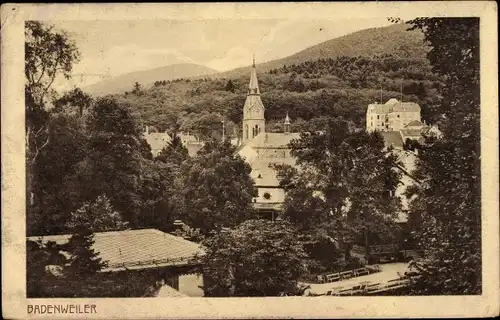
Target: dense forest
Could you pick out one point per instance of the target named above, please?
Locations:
(331, 87)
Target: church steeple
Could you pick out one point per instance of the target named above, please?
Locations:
(253, 110)
(253, 86)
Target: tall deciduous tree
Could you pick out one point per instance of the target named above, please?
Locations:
(448, 200)
(113, 166)
(256, 258)
(218, 189)
(48, 54)
(56, 191)
(74, 98)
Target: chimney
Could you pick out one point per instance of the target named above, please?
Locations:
(147, 129)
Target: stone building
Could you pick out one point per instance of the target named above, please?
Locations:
(393, 115)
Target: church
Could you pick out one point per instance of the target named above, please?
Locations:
(262, 149)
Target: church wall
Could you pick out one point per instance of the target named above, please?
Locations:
(275, 195)
(248, 124)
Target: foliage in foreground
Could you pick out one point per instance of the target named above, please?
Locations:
(256, 258)
(446, 209)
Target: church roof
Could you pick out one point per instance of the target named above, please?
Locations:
(272, 140)
(252, 101)
(263, 173)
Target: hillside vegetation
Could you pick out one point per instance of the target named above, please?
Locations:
(147, 77)
(339, 84)
(394, 39)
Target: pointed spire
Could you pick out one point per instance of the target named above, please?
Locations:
(287, 124)
(253, 64)
(253, 86)
(287, 119)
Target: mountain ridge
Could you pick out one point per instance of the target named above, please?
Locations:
(392, 39)
(146, 78)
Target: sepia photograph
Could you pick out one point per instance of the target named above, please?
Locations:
(251, 157)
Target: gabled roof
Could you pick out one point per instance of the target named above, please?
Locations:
(264, 175)
(415, 123)
(137, 249)
(406, 107)
(272, 140)
(193, 148)
(393, 105)
(392, 138)
(411, 132)
(157, 140)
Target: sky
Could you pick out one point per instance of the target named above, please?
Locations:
(110, 48)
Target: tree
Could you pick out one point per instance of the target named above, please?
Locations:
(48, 54)
(276, 257)
(218, 189)
(74, 98)
(448, 199)
(113, 166)
(83, 260)
(174, 152)
(137, 88)
(162, 202)
(97, 216)
(230, 86)
(56, 190)
(348, 176)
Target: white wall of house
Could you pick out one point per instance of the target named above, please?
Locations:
(189, 285)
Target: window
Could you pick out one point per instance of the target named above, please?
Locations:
(267, 196)
(398, 115)
(378, 117)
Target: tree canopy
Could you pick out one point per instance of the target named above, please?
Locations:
(218, 189)
(257, 258)
(448, 201)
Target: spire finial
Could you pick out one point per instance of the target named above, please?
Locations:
(253, 65)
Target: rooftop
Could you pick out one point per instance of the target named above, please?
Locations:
(392, 139)
(393, 105)
(137, 249)
(272, 140)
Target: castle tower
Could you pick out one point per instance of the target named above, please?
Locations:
(253, 110)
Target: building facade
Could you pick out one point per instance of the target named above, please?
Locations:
(393, 115)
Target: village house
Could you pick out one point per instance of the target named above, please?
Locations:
(142, 253)
(158, 140)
